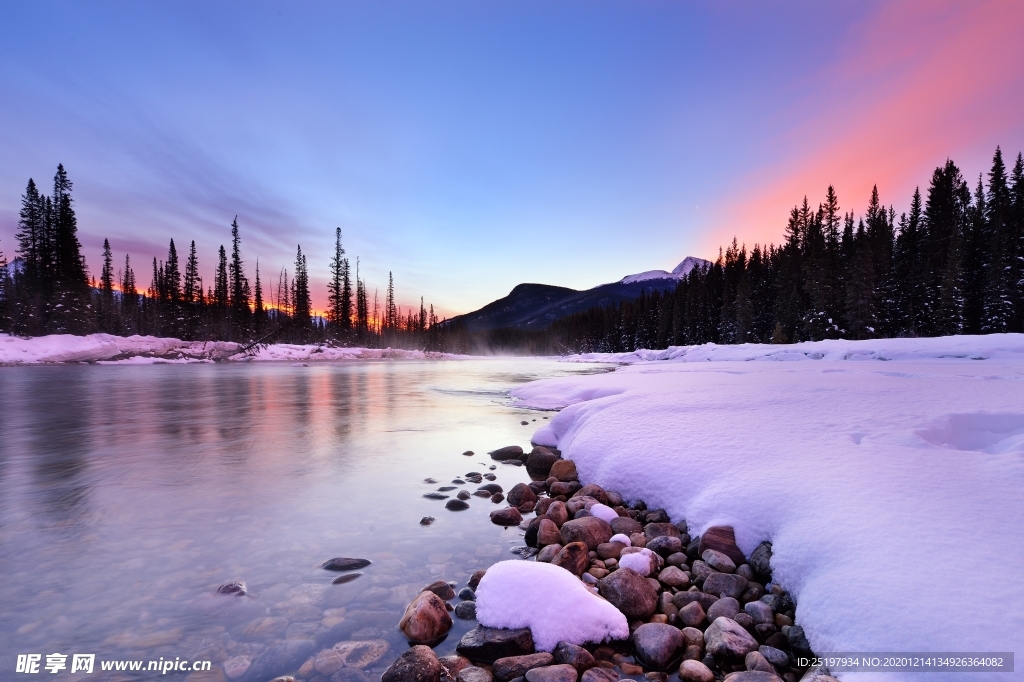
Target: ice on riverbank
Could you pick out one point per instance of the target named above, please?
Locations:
(892, 491)
(551, 601)
(109, 349)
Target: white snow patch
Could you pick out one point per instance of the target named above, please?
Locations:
(603, 512)
(679, 272)
(642, 562)
(891, 491)
(624, 539)
(551, 601)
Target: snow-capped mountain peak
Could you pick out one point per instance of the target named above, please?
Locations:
(679, 272)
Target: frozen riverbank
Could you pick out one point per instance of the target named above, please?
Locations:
(891, 490)
(105, 348)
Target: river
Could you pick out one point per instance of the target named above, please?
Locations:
(128, 494)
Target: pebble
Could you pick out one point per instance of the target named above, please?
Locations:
(673, 576)
(576, 656)
(491, 488)
(361, 654)
(728, 639)
(691, 615)
(508, 516)
(756, 661)
(446, 488)
(558, 513)
(753, 676)
(430, 480)
(345, 564)
(278, 659)
(695, 671)
(436, 496)
(474, 580)
(726, 606)
(236, 666)
(541, 460)
(776, 657)
(718, 561)
(549, 552)
(626, 526)
(760, 612)
(547, 533)
(629, 592)
(552, 673)
(520, 495)
(426, 619)
(727, 584)
(656, 644)
(665, 545)
(482, 493)
(468, 453)
(564, 470)
(490, 477)
(456, 505)
(418, 664)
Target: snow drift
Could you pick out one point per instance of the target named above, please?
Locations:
(891, 491)
(551, 601)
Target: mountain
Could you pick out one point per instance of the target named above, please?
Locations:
(536, 306)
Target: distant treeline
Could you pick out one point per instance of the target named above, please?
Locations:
(953, 264)
(47, 290)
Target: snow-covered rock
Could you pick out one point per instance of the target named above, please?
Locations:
(679, 272)
(550, 601)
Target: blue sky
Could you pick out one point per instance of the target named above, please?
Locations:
(466, 147)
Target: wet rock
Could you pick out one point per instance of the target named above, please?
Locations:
(455, 664)
(418, 664)
(695, 671)
(600, 675)
(549, 553)
(278, 659)
(691, 615)
(576, 656)
(718, 561)
(473, 674)
(490, 477)
(445, 488)
(509, 452)
(361, 654)
(776, 657)
(497, 498)
(486, 645)
(520, 495)
(467, 594)
(753, 676)
(441, 589)
(665, 545)
(436, 496)
(464, 495)
(482, 493)
(233, 587)
(491, 488)
(721, 539)
(426, 619)
(509, 516)
(427, 520)
(468, 453)
(301, 631)
(590, 530)
(513, 462)
(474, 580)
(573, 557)
(541, 460)
(552, 673)
(348, 675)
(626, 526)
(656, 644)
(547, 533)
(466, 610)
(458, 481)
(236, 666)
(456, 505)
(345, 564)
(564, 470)
(727, 607)
(629, 592)
(672, 576)
(727, 584)
(726, 638)
(430, 480)
(510, 667)
(558, 513)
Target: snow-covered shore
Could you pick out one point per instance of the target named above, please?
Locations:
(893, 492)
(107, 349)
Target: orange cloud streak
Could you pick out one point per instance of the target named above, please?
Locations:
(920, 82)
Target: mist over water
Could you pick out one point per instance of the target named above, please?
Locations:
(128, 494)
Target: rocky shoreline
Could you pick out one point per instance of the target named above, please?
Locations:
(695, 605)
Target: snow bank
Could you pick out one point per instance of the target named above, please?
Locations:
(551, 601)
(287, 352)
(893, 492)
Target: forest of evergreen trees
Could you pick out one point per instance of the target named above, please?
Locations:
(47, 289)
(952, 264)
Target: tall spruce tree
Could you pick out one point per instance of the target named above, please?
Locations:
(997, 305)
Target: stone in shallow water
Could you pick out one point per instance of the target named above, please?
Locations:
(441, 589)
(482, 493)
(426, 619)
(491, 488)
(509, 516)
(233, 587)
(436, 496)
(474, 580)
(427, 520)
(278, 659)
(497, 498)
(486, 645)
(361, 654)
(463, 495)
(418, 664)
(345, 564)
(456, 505)
(347, 578)
(236, 666)
(509, 452)
(466, 610)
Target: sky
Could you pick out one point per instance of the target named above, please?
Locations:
(467, 147)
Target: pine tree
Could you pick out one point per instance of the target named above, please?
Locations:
(172, 275)
(220, 280)
(1015, 242)
(260, 314)
(192, 287)
(998, 311)
(390, 312)
(302, 313)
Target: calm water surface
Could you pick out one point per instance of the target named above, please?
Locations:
(128, 494)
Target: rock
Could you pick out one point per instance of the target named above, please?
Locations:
(508, 668)
(468, 453)
(520, 495)
(630, 593)
(456, 505)
(552, 673)
(491, 488)
(464, 495)
(467, 593)
(418, 664)
(672, 576)
(778, 641)
(760, 612)
(436, 496)
(474, 580)
(466, 610)
(681, 599)
(547, 533)
(564, 470)
(236, 666)
(726, 606)
(695, 671)
(455, 664)
(345, 564)
(718, 561)
(430, 480)
(441, 589)
(665, 545)
(576, 656)
(746, 571)
(658, 530)
(506, 453)
(745, 621)
(691, 615)
(776, 657)
(589, 530)
(760, 561)
(626, 526)
(473, 674)
(485, 645)
(426, 619)
(557, 513)
(278, 659)
(755, 661)
(600, 675)
(753, 676)
(700, 570)
(549, 552)
(497, 498)
(727, 584)
(592, 490)
(579, 503)
(657, 644)
(482, 493)
(361, 653)
(267, 626)
(657, 516)
(726, 638)
(509, 516)
(722, 539)
(427, 520)
(541, 460)
(233, 587)
(573, 557)
(798, 641)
